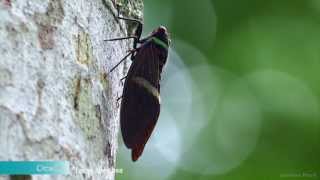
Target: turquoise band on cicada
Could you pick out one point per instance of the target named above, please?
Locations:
(159, 42)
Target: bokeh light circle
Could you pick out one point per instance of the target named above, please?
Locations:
(280, 92)
(224, 125)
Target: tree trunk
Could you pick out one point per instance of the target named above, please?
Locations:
(57, 101)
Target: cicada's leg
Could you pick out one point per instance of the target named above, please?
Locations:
(123, 78)
(118, 99)
(123, 38)
(114, 67)
(136, 36)
(138, 32)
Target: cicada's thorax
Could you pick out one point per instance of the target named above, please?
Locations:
(160, 37)
(162, 52)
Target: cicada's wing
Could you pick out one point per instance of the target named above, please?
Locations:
(140, 105)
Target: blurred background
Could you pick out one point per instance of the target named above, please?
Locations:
(240, 93)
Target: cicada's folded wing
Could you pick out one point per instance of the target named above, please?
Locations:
(140, 105)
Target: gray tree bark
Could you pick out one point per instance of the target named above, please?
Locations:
(57, 101)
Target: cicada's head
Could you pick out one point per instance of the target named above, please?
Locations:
(162, 34)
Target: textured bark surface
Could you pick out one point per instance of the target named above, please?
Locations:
(56, 100)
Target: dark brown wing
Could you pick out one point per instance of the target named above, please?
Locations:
(140, 105)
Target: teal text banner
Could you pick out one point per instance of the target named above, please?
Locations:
(34, 167)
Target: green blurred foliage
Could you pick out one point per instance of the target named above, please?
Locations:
(272, 49)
